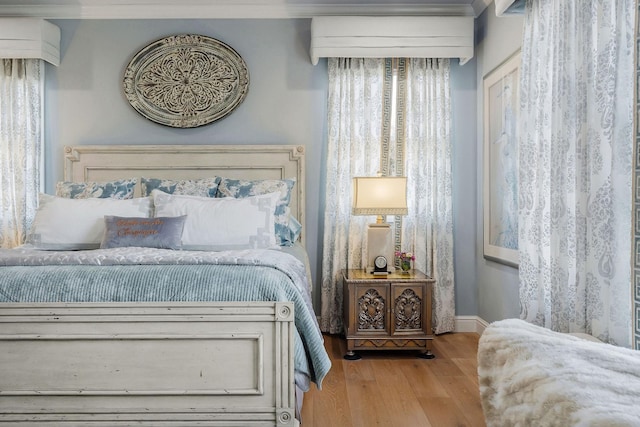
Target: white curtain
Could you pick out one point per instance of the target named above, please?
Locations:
(366, 138)
(21, 83)
(354, 139)
(427, 230)
(575, 166)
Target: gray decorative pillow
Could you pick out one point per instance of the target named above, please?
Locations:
(239, 188)
(205, 187)
(120, 189)
(163, 232)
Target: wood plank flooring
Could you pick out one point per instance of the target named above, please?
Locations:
(398, 389)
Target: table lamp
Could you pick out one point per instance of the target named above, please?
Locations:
(380, 195)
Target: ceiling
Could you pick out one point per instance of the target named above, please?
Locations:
(230, 9)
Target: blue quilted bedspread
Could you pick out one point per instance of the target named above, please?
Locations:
(143, 274)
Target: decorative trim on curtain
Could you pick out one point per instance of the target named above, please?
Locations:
(636, 188)
(21, 92)
(401, 117)
(575, 166)
(388, 103)
(393, 132)
(397, 168)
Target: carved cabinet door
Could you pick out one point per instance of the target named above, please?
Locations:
(371, 303)
(408, 308)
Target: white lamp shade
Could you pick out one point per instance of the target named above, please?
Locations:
(383, 195)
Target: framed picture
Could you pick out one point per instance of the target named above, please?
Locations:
(500, 173)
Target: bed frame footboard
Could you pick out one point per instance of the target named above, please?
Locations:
(160, 364)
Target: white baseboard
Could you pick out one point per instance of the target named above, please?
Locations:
(470, 324)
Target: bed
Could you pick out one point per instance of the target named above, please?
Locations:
(530, 375)
(157, 336)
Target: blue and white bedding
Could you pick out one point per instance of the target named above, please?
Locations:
(149, 274)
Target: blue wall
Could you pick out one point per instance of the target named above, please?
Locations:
(286, 104)
(497, 284)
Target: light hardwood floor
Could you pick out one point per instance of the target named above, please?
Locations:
(399, 389)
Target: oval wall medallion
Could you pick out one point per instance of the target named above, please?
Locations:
(185, 81)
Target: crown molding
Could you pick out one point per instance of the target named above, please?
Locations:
(226, 9)
(479, 6)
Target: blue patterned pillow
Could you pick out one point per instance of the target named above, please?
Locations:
(205, 187)
(239, 188)
(163, 232)
(119, 189)
(295, 228)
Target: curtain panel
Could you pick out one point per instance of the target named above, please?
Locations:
(427, 230)
(390, 116)
(575, 159)
(21, 88)
(636, 200)
(354, 141)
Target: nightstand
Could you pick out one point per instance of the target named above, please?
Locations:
(391, 312)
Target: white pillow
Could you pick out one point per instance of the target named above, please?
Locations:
(70, 224)
(222, 224)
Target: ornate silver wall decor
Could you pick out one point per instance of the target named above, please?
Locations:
(186, 81)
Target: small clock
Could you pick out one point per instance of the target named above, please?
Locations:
(380, 265)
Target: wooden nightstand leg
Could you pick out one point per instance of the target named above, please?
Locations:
(352, 356)
(427, 355)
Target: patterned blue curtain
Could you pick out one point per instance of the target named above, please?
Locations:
(575, 154)
(391, 116)
(21, 83)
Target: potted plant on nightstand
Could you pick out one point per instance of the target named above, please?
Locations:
(405, 260)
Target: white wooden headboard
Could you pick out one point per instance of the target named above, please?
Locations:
(109, 162)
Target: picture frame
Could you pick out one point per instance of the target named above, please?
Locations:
(500, 162)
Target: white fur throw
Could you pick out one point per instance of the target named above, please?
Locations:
(531, 376)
